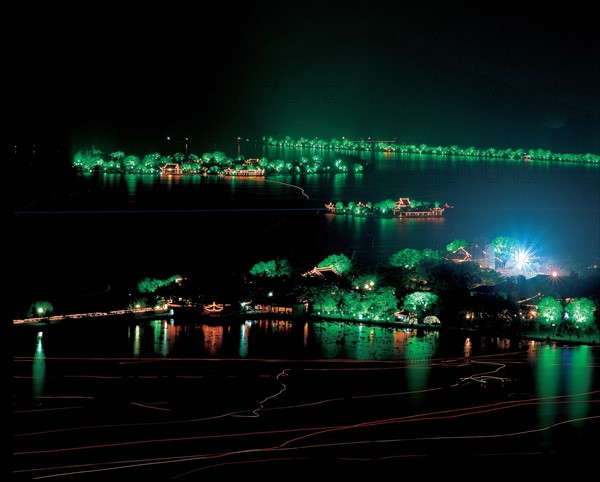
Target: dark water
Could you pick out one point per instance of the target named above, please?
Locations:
(260, 338)
(545, 368)
(142, 398)
(109, 227)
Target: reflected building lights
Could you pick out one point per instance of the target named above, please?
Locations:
(467, 348)
(305, 333)
(213, 339)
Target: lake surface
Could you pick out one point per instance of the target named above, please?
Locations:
(167, 400)
(176, 398)
(108, 227)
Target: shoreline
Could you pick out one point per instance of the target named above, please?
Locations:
(229, 318)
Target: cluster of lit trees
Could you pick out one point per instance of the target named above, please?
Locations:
(575, 316)
(94, 160)
(424, 284)
(351, 294)
(386, 207)
(420, 149)
(502, 251)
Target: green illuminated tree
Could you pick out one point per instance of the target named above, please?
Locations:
(272, 269)
(459, 245)
(428, 253)
(350, 304)
(265, 268)
(340, 262)
(580, 312)
(117, 160)
(549, 311)
(132, 163)
(381, 304)
(40, 308)
(327, 302)
(421, 303)
(88, 159)
(504, 247)
(384, 207)
(150, 285)
(406, 258)
(151, 162)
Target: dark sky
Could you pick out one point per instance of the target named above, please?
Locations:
(486, 74)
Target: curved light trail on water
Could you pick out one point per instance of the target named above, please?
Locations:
(267, 443)
(291, 185)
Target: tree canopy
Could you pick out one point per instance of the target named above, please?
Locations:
(420, 302)
(580, 312)
(407, 258)
(150, 285)
(340, 262)
(272, 269)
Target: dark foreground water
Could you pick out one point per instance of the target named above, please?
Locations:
(168, 400)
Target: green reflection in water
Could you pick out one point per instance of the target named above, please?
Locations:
(364, 342)
(131, 181)
(547, 380)
(418, 351)
(164, 336)
(338, 186)
(135, 339)
(39, 368)
(579, 380)
(109, 180)
(244, 338)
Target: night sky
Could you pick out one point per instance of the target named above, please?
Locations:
(441, 73)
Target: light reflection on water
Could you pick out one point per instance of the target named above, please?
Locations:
(38, 371)
(296, 340)
(562, 371)
(558, 381)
